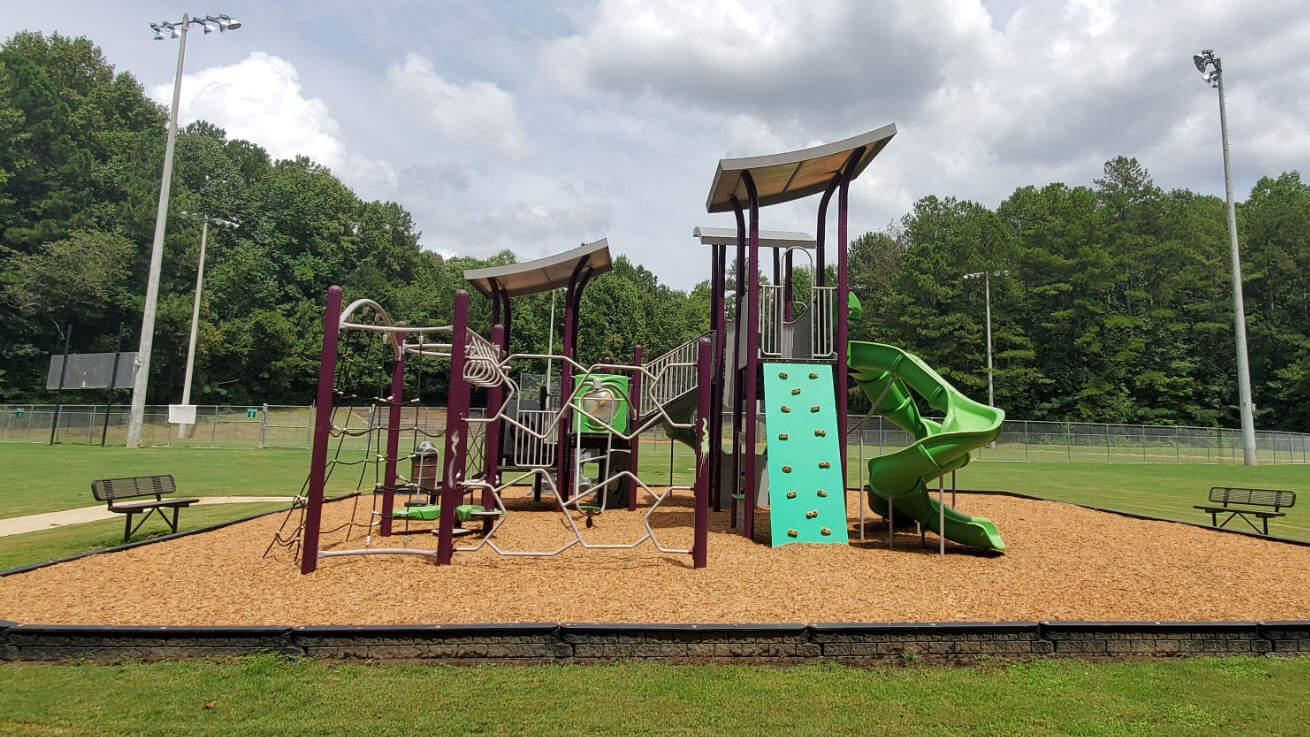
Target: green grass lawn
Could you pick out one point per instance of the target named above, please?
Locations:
(59, 542)
(273, 696)
(46, 478)
(1159, 490)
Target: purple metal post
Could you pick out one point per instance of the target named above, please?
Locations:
(843, 293)
(457, 407)
(717, 324)
(704, 448)
(634, 418)
(327, 368)
(739, 308)
(821, 235)
(752, 349)
(577, 280)
(491, 447)
(393, 432)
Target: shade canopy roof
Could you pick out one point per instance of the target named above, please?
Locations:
(543, 274)
(768, 238)
(795, 174)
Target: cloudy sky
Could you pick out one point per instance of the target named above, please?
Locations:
(536, 126)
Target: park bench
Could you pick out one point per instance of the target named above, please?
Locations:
(151, 490)
(1271, 500)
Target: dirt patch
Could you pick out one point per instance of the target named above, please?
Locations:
(1063, 562)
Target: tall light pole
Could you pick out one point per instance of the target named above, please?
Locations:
(174, 30)
(987, 291)
(1210, 65)
(205, 220)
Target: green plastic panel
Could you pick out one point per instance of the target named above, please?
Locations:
(463, 512)
(614, 408)
(806, 499)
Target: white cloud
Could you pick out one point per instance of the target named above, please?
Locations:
(479, 113)
(260, 99)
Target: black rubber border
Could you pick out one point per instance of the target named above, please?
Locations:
(160, 539)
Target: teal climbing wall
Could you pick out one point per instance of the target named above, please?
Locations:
(806, 499)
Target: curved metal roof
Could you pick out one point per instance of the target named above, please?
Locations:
(794, 174)
(768, 238)
(543, 274)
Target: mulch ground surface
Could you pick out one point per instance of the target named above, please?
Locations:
(1062, 562)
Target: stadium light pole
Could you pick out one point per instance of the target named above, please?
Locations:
(178, 30)
(987, 291)
(1211, 67)
(205, 220)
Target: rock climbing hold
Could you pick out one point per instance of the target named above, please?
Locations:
(822, 493)
(824, 531)
(822, 464)
(782, 374)
(812, 514)
(785, 409)
(786, 469)
(813, 375)
(791, 495)
(820, 433)
(797, 390)
(815, 408)
(782, 436)
(792, 533)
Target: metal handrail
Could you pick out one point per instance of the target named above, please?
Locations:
(674, 375)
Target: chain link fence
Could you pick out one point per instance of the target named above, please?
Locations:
(283, 426)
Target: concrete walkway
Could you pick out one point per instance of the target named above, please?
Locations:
(34, 522)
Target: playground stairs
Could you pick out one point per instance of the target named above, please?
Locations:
(807, 502)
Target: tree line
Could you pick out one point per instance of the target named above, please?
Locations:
(1112, 301)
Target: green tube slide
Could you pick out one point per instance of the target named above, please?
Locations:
(887, 375)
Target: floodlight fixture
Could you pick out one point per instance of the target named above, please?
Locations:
(1200, 62)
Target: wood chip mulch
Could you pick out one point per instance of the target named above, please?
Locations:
(1063, 562)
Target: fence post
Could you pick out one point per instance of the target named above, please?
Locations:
(1143, 443)
(1107, 441)
(263, 423)
(1068, 441)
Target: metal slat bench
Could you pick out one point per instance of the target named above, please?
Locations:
(1224, 496)
(112, 491)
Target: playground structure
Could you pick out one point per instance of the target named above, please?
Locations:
(577, 447)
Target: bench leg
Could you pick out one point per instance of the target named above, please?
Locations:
(1265, 520)
(175, 509)
(127, 527)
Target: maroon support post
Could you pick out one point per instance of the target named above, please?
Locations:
(843, 292)
(704, 449)
(327, 367)
(457, 407)
(752, 349)
(737, 383)
(393, 431)
(717, 324)
(491, 447)
(634, 418)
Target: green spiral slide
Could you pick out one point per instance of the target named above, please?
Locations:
(887, 375)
